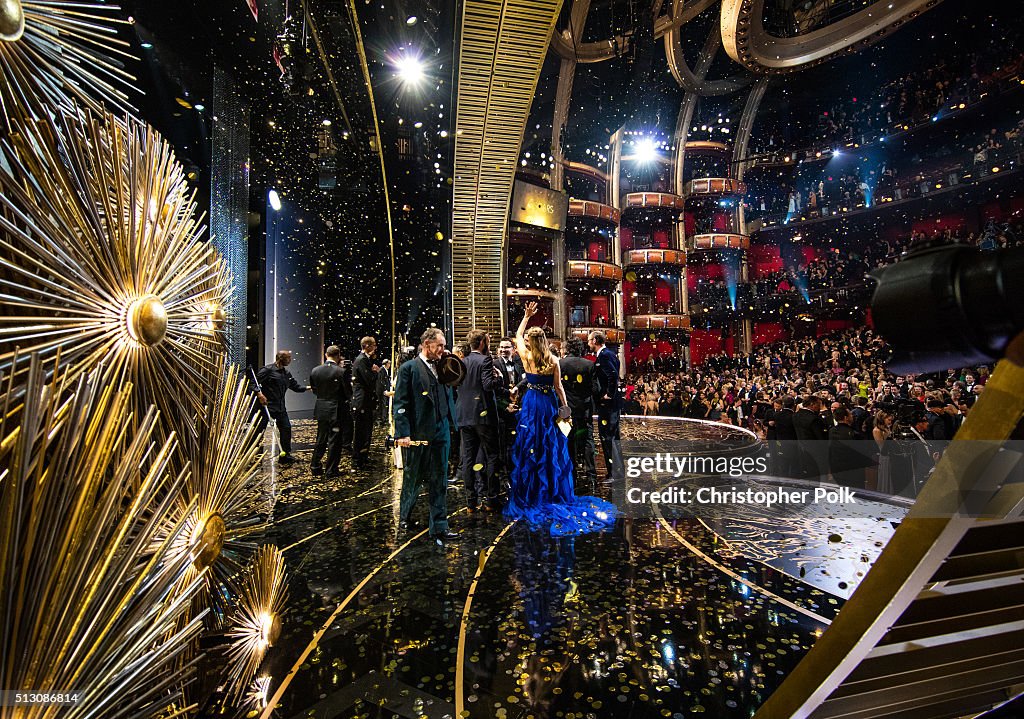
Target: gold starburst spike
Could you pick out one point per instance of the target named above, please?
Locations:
(257, 621)
(90, 600)
(55, 50)
(102, 257)
(228, 494)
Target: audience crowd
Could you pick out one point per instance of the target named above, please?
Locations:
(830, 381)
(950, 83)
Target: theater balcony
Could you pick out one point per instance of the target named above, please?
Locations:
(595, 210)
(661, 322)
(715, 187)
(719, 241)
(654, 200)
(654, 257)
(612, 335)
(591, 270)
(590, 231)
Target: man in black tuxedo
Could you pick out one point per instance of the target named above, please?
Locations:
(512, 375)
(811, 437)
(579, 379)
(424, 412)
(785, 434)
(609, 403)
(364, 400)
(846, 458)
(326, 381)
(477, 412)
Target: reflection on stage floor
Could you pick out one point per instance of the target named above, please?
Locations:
(662, 616)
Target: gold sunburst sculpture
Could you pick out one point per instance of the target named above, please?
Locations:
(102, 257)
(228, 494)
(54, 50)
(257, 695)
(257, 621)
(90, 592)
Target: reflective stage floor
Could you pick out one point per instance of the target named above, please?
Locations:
(659, 617)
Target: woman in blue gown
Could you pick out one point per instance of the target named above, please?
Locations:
(541, 489)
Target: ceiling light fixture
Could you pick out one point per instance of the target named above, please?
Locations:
(410, 69)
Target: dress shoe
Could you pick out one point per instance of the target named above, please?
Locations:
(316, 469)
(407, 524)
(332, 474)
(448, 536)
(286, 459)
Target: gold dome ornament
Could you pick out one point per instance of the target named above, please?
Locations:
(147, 320)
(12, 20)
(55, 52)
(114, 271)
(211, 540)
(218, 318)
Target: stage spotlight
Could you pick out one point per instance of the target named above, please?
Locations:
(275, 200)
(410, 69)
(645, 152)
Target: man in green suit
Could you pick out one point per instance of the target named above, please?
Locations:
(424, 412)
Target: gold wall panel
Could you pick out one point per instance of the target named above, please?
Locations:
(502, 48)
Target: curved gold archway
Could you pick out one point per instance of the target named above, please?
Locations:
(749, 44)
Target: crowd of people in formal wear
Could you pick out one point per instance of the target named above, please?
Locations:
(829, 389)
(351, 397)
(470, 416)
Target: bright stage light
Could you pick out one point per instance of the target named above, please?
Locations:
(645, 152)
(410, 69)
(275, 200)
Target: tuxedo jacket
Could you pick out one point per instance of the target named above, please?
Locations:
(579, 380)
(331, 384)
(510, 377)
(607, 366)
(419, 400)
(785, 430)
(475, 403)
(809, 426)
(364, 383)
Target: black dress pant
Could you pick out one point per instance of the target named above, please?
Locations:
(581, 443)
(341, 438)
(479, 463)
(325, 431)
(608, 431)
(364, 420)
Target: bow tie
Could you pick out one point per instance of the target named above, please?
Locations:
(432, 361)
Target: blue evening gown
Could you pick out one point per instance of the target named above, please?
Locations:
(541, 489)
